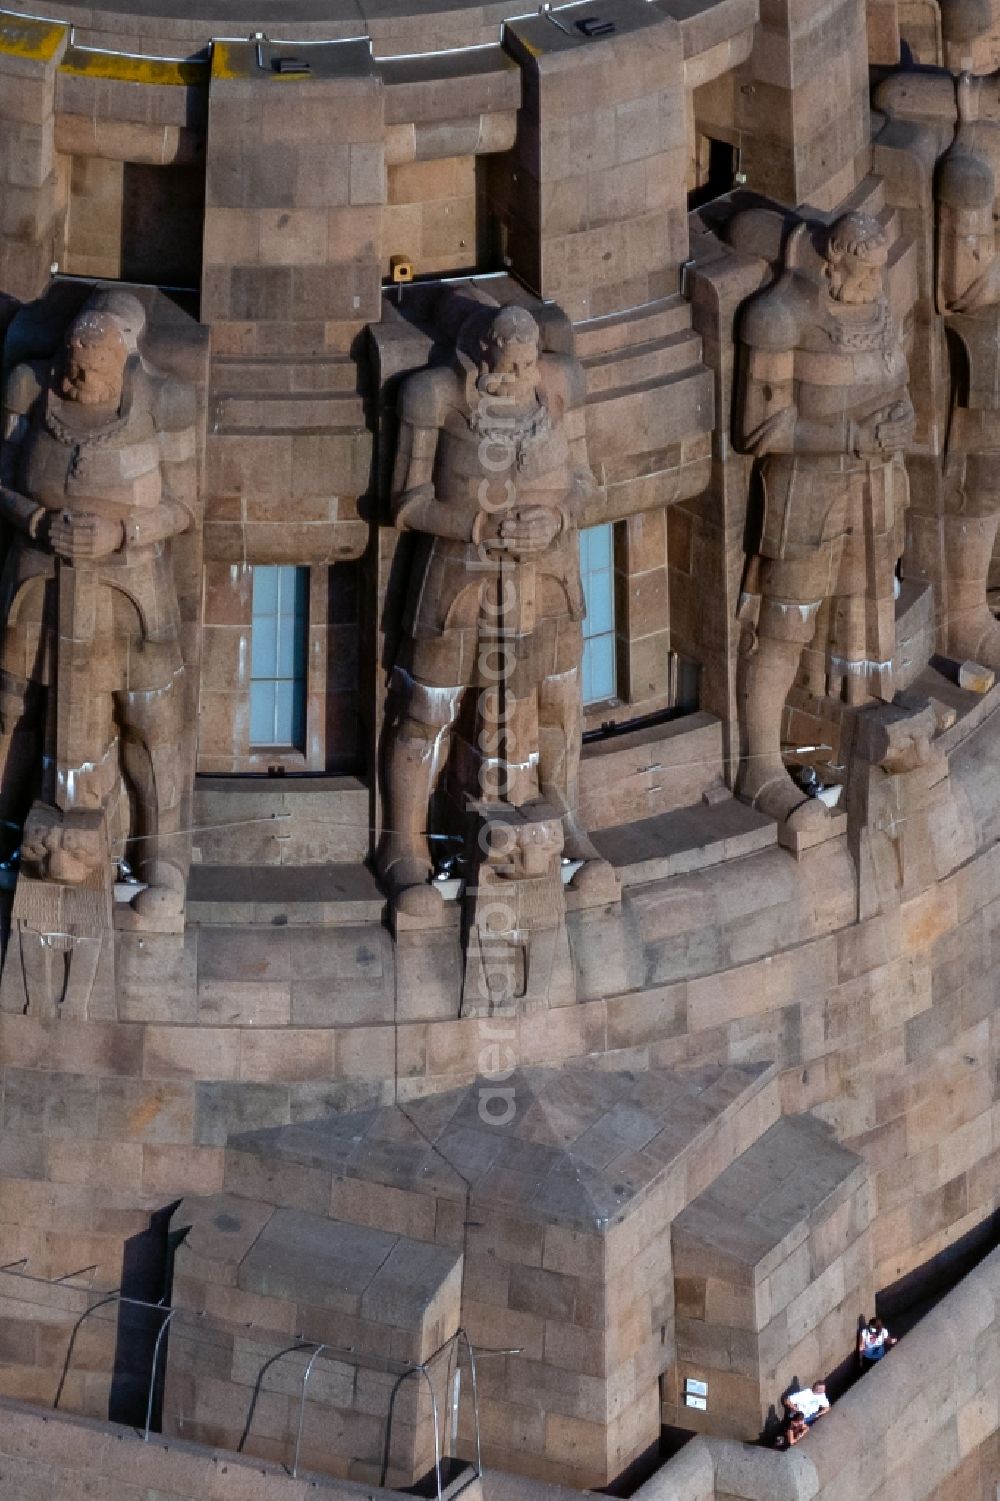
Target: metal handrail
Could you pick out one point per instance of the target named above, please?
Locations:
(404, 1368)
(302, 1406)
(418, 1370)
(462, 1333)
(152, 1375)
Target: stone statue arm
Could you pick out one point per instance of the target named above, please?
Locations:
(177, 511)
(415, 506)
(768, 418)
(968, 268)
(178, 507)
(583, 484)
(424, 403)
(22, 390)
(967, 255)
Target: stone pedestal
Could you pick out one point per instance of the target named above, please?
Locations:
(264, 1294)
(772, 1269)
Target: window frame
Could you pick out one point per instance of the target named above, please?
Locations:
(298, 616)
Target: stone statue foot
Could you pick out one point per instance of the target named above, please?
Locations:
(596, 882)
(407, 880)
(976, 639)
(159, 908)
(802, 820)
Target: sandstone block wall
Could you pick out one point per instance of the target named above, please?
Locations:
(772, 1267)
(924, 1425)
(565, 1242)
(797, 110)
(46, 1456)
(591, 199)
(29, 185)
(267, 1284)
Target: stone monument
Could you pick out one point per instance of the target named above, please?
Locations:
(98, 474)
(823, 408)
(969, 300)
(491, 470)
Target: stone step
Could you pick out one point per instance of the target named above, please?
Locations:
(295, 896)
(651, 384)
(234, 375)
(280, 821)
(610, 370)
(304, 411)
(652, 320)
(779, 1248)
(639, 773)
(687, 839)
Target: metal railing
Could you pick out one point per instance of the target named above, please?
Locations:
(449, 1354)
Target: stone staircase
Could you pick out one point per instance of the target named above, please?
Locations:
(660, 319)
(281, 851)
(302, 415)
(649, 400)
(280, 393)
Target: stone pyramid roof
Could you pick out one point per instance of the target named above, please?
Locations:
(578, 1147)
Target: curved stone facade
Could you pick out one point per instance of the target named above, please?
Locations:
(741, 360)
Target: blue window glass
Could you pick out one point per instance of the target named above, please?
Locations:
(278, 657)
(598, 573)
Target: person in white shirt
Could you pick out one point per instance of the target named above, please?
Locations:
(873, 1341)
(812, 1402)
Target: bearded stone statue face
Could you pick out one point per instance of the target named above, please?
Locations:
(67, 852)
(94, 361)
(508, 366)
(855, 282)
(857, 253)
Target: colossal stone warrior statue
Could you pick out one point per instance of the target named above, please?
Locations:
(824, 410)
(97, 473)
(492, 471)
(968, 201)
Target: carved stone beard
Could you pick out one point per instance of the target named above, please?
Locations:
(850, 292)
(501, 422)
(91, 393)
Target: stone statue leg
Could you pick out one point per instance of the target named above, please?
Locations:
(152, 728)
(973, 632)
(792, 591)
(417, 752)
(22, 713)
(560, 740)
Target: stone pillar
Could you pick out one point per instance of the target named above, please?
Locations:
(772, 1266)
(798, 109)
(295, 185)
(591, 203)
(644, 625)
(30, 52)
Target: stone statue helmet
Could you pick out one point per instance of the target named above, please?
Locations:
(94, 361)
(126, 310)
(508, 365)
(857, 251)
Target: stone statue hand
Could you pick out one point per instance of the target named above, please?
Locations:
(894, 430)
(82, 535)
(884, 433)
(529, 530)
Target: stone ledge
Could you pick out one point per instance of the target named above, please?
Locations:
(293, 895)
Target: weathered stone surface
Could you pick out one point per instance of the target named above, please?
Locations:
(272, 190)
(379, 1303)
(772, 1263)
